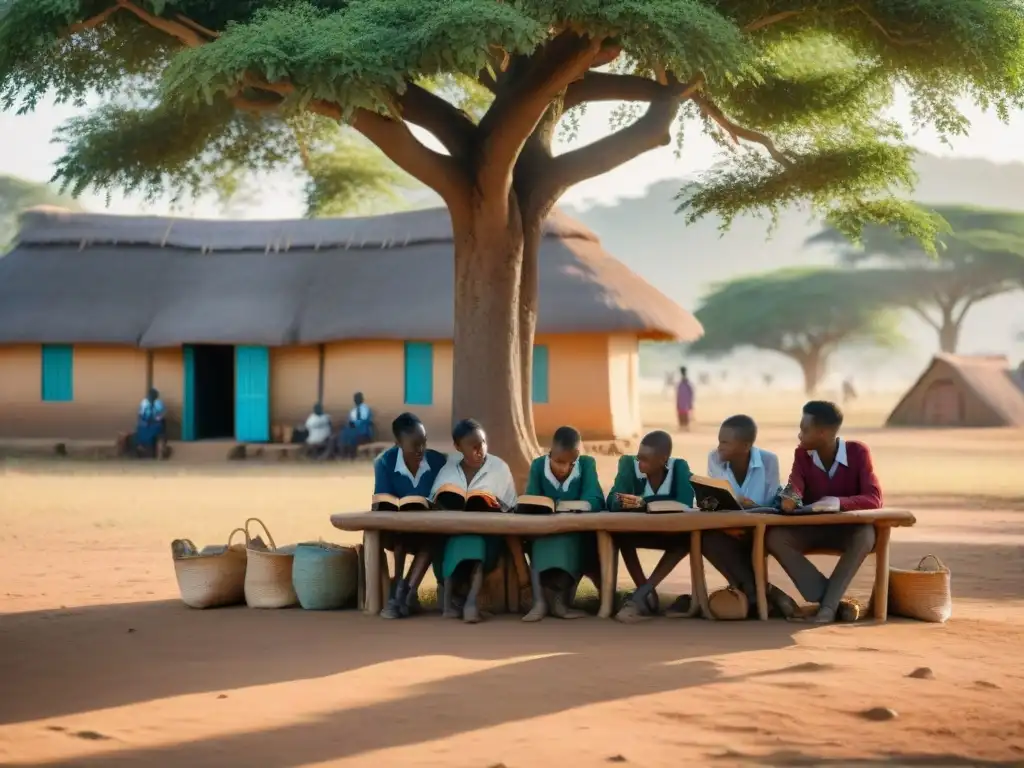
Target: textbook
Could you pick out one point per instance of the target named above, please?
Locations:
(655, 506)
(542, 505)
(385, 502)
(714, 494)
(455, 499)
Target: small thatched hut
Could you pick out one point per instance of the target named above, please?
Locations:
(962, 391)
(245, 324)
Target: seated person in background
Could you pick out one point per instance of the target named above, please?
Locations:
(467, 558)
(826, 467)
(150, 427)
(359, 429)
(318, 432)
(409, 468)
(557, 562)
(753, 474)
(651, 474)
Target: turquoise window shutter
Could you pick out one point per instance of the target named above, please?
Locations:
(58, 374)
(252, 394)
(419, 373)
(188, 400)
(541, 376)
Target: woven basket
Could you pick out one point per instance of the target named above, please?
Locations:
(923, 593)
(325, 576)
(268, 575)
(728, 604)
(212, 580)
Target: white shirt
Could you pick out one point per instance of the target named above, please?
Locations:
(562, 486)
(359, 413)
(318, 428)
(840, 458)
(494, 477)
(402, 469)
(666, 484)
(762, 480)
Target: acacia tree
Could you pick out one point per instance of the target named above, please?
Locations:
(800, 86)
(982, 255)
(804, 314)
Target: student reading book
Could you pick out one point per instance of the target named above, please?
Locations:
(557, 562)
(403, 476)
(471, 469)
(651, 475)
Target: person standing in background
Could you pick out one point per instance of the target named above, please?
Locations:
(684, 400)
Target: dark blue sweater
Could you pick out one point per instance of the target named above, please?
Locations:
(387, 480)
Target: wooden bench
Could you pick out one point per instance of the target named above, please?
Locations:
(606, 524)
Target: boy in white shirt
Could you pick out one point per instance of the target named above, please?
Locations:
(318, 431)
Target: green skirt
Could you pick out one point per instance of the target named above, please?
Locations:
(460, 549)
(562, 551)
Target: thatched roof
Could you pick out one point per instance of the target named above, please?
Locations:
(995, 397)
(151, 281)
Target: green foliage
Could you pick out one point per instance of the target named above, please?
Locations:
(817, 76)
(18, 194)
(798, 312)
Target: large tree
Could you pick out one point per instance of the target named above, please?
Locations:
(802, 313)
(800, 87)
(18, 194)
(982, 255)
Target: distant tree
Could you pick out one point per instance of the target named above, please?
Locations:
(804, 314)
(982, 256)
(18, 194)
(801, 89)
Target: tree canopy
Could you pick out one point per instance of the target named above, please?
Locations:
(803, 313)
(800, 89)
(980, 255)
(18, 194)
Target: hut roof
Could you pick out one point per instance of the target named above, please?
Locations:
(985, 377)
(153, 281)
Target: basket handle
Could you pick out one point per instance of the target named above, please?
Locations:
(273, 546)
(938, 562)
(238, 530)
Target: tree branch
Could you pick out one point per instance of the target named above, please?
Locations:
(449, 124)
(737, 132)
(767, 21)
(604, 86)
(93, 21)
(184, 33)
(515, 113)
(920, 312)
(648, 132)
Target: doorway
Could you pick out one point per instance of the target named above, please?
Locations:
(214, 392)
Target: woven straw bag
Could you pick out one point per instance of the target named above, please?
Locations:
(211, 580)
(728, 604)
(325, 576)
(268, 575)
(923, 593)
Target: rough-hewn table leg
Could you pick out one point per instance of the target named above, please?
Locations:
(608, 558)
(760, 564)
(700, 585)
(373, 553)
(881, 592)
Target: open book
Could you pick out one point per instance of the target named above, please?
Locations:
(714, 494)
(654, 506)
(542, 505)
(387, 502)
(452, 497)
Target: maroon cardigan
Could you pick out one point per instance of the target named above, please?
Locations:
(855, 484)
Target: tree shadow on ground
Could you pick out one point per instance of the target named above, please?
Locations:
(70, 661)
(909, 760)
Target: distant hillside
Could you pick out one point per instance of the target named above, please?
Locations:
(646, 234)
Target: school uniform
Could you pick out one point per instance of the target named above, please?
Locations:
(573, 553)
(675, 487)
(494, 477)
(392, 476)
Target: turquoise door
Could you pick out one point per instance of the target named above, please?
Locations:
(188, 400)
(252, 394)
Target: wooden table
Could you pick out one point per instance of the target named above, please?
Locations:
(606, 524)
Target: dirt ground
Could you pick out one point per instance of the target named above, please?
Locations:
(101, 665)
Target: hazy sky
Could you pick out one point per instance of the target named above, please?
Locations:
(28, 152)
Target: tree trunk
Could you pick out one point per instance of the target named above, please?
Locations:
(949, 334)
(529, 288)
(487, 366)
(813, 366)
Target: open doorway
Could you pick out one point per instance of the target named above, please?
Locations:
(214, 391)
